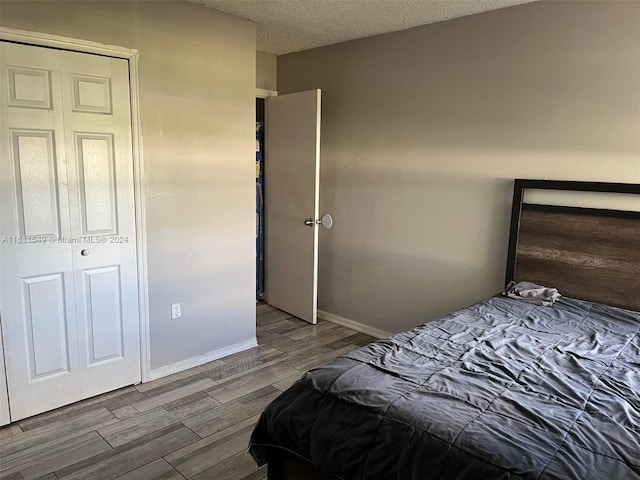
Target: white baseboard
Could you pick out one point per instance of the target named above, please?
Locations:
(201, 359)
(353, 325)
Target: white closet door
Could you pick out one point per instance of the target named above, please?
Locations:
(69, 301)
(36, 271)
(97, 123)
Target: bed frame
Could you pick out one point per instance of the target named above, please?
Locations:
(590, 254)
(586, 253)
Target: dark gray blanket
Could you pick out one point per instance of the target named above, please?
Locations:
(500, 390)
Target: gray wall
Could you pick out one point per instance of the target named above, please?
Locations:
(197, 95)
(266, 68)
(424, 130)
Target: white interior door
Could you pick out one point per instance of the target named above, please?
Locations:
(68, 260)
(292, 175)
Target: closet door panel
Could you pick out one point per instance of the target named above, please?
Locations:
(46, 325)
(102, 295)
(96, 172)
(36, 275)
(97, 114)
(29, 87)
(37, 193)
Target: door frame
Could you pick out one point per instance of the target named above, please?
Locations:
(264, 94)
(39, 39)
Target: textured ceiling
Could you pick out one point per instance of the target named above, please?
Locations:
(285, 26)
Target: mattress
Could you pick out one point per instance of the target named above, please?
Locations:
(499, 390)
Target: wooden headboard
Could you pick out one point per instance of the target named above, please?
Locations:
(591, 254)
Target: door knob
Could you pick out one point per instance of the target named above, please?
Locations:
(326, 221)
(84, 252)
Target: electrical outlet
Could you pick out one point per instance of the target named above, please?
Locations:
(175, 311)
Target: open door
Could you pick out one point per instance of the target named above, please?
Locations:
(292, 190)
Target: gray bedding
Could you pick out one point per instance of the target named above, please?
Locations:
(502, 389)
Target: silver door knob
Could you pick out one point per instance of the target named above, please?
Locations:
(326, 221)
(85, 252)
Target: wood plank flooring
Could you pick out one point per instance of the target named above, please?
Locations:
(194, 424)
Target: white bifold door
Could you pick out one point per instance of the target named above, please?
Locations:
(292, 191)
(69, 290)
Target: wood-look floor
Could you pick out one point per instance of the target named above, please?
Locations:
(192, 425)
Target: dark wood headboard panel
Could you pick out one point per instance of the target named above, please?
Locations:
(590, 254)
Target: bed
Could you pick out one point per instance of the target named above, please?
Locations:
(502, 389)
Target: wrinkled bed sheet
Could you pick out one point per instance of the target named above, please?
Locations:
(499, 390)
